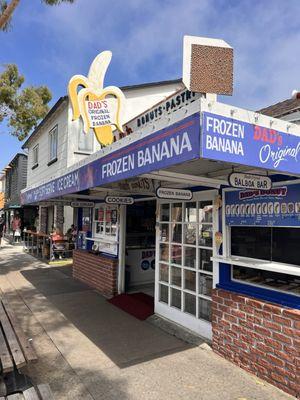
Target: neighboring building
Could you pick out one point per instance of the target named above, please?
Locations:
(58, 142)
(288, 110)
(2, 190)
(14, 180)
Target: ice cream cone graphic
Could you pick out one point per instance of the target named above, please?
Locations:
(107, 103)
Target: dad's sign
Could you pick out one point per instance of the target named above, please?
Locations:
(235, 141)
(249, 181)
(173, 194)
(101, 112)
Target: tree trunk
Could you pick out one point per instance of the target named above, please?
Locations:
(7, 13)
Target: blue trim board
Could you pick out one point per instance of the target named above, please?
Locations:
(272, 296)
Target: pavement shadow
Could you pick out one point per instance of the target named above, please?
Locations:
(124, 339)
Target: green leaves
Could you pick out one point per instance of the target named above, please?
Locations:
(21, 109)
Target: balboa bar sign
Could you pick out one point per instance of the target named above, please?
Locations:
(173, 194)
(120, 200)
(235, 141)
(249, 181)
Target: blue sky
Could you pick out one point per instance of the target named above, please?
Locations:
(50, 44)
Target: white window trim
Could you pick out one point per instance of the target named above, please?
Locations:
(35, 150)
(53, 131)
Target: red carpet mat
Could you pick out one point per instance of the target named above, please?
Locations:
(139, 305)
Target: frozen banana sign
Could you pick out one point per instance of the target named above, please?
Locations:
(235, 141)
(101, 112)
(101, 108)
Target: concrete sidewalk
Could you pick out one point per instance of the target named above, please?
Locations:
(89, 349)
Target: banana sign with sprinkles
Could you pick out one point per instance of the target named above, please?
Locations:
(100, 108)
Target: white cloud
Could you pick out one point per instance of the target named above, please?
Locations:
(146, 40)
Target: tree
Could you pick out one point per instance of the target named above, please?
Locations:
(7, 9)
(21, 109)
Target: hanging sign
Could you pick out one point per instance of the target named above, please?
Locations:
(249, 181)
(120, 200)
(173, 194)
(83, 204)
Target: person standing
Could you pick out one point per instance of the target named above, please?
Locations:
(2, 227)
(16, 227)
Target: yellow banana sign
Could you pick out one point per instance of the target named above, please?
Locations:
(91, 89)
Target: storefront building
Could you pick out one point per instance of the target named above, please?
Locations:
(14, 180)
(200, 207)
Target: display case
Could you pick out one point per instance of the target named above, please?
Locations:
(262, 236)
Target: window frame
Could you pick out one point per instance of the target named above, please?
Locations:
(53, 132)
(35, 156)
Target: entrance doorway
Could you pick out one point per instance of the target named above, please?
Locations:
(184, 270)
(140, 247)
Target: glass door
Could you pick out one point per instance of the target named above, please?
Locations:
(184, 249)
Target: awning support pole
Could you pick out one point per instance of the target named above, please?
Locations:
(122, 249)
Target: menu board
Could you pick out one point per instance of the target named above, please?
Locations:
(279, 206)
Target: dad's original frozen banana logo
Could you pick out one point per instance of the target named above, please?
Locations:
(99, 107)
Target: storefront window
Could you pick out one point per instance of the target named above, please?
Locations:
(165, 212)
(176, 276)
(176, 298)
(190, 257)
(190, 212)
(190, 304)
(105, 228)
(176, 212)
(190, 280)
(190, 234)
(269, 279)
(164, 272)
(204, 309)
(164, 252)
(176, 254)
(188, 237)
(163, 293)
(176, 233)
(276, 244)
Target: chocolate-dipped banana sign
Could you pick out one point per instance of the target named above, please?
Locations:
(99, 107)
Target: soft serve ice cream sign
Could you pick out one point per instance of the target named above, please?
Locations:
(101, 108)
(235, 141)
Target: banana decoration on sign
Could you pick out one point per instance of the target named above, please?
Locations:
(92, 92)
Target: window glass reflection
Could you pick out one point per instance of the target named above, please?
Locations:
(176, 212)
(176, 233)
(205, 235)
(190, 214)
(164, 252)
(190, 256)
(205, 284)
(190, 280)
(190, 234)
(205, 211)
(176, 254)
(190, 303)
(204, 260)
